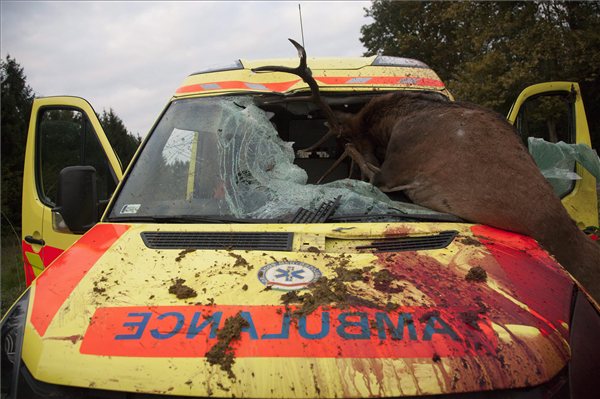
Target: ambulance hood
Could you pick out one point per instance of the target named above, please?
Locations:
(321, 310)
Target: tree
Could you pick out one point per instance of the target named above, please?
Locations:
(17, 98)
(487, 52)
(123, 142)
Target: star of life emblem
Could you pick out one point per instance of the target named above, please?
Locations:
(288, 275)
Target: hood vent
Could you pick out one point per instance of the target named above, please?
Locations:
(218, 240)
(412, 243)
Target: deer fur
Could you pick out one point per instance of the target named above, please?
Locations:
(457, 158)
(468, 161)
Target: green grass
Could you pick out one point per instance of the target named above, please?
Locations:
(12, 278)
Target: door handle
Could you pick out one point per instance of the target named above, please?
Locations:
(35, 241)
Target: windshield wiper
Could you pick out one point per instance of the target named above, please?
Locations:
(428, 217)
(188, 219)
(321, 215)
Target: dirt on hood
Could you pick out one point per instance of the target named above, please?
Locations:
(332, 292)
(182, 291)
(222, 353)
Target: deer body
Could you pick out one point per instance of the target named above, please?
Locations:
(468, 161)
(460, 159)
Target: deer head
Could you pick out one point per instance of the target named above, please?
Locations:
(337, 123)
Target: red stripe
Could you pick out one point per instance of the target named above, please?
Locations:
(47, 254)
(50, 253)
(54, 286)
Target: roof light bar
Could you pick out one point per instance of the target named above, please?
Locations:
(385, 60)
(237, 64)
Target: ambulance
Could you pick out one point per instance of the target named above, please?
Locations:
(214, 266)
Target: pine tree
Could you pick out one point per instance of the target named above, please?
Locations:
(487, 52)
(17, 98)
(123, 142)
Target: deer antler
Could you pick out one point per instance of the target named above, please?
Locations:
(333, 122)
(304, 72)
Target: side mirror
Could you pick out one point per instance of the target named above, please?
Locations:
(77, 198)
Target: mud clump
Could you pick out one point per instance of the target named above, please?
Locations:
(471, 241)
(183, 253)
(222, 353)
(476, 274)
(329, 292)
(351, 275)
(182, 291)
(322, 292)
(470, 318)
(99, 290)
(240, 261)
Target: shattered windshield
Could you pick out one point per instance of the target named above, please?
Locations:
(223, 156)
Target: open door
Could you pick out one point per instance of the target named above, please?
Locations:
(554, 112)
(63, 131)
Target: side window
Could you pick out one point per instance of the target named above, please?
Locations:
(67, 138)
(549, 117)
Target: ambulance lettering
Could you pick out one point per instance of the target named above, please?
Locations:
(271, 331)
(350, 326)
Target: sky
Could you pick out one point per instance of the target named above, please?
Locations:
(132, 56)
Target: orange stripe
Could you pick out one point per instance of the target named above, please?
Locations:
(381, 80)
(237, 84)
(330, 80)
(189, 89)
(54, 286)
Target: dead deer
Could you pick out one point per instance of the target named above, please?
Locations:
(461, 159)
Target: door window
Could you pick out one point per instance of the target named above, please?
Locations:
(550, 117)
(67, 138)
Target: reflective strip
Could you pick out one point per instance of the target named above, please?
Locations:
(256, 86)
(55, 285)
(36, 262)
(28, 269)
(358, 80)
(210, 86)
(329, 80)
(46, 256)
(408, 81)
(382, 80)
(237, 85)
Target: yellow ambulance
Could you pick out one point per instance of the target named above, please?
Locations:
(215, 267)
